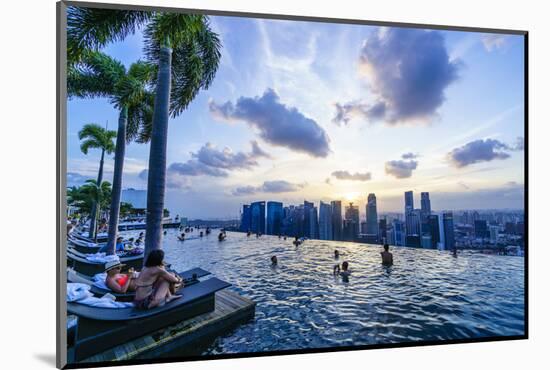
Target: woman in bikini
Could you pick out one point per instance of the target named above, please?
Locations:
(117, 282)
(155, 286)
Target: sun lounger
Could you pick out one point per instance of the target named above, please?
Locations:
(84, 246)
(85, 267)
(100, 329)
(75, 277)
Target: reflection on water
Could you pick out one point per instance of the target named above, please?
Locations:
(425, 295)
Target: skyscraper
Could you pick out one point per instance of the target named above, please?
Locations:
(399, 232)
(412, 220)
(382, 231)
(409, 201)
(325, 221)
(372, 215)
(433, 226)
(274, 218)
(448, 231)
(336, 206)
(257, 215)
(245, 219)
(425, 204)
(480, 229)
(310, 220)
(351, 222)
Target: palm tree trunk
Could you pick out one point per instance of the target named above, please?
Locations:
(95, 211)
(116, 191)
(156, 180)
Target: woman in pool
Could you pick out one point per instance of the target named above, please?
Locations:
(155, 286)
(117, 282)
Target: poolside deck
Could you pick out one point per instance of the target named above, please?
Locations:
(231, 309)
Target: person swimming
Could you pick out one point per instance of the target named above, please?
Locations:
(221, 237)
(273, 260)
(181, 237)
(164, 232)
(344, 272)
(336, 254)
(201, 234)
(296, 242)
(387, 256)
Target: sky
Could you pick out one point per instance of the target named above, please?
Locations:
(318, 111)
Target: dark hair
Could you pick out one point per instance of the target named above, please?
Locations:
(155, 258)
(120, 238)
(345, 265)
(386, 247)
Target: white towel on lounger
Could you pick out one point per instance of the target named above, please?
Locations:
(102, 257)
(80, 293)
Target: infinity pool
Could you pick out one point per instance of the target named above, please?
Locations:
(426, 295)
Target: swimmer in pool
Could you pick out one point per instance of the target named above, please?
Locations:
(387, 256)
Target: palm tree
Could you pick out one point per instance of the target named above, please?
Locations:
(98, 75)
(93, 136)
(186, 52)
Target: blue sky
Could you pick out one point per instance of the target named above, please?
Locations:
(317, 111)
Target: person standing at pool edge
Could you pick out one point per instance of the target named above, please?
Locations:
(387, 256)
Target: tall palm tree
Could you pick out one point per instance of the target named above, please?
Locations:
(186, 52)
(93, 136)
(98, 75)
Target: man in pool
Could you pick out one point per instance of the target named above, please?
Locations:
(273, 260)
(387, 256)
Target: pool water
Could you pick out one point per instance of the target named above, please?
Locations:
(426, 295)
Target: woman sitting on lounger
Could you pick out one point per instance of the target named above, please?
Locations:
(155, 286)
(117, 282)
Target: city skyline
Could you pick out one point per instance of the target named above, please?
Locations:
(307, 120)
(419, 227)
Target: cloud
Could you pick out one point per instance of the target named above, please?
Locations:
(173, 179)
(76, 179)
(408, 71)
(481, 151)
(227, 159)
(275, 186)
(493, 42)
(345, 175)
(520, 144)
(409, 156)
(259, 152)
(277, 124)
(211, 161)
(196, 168)
(401, 169)
(347, 112)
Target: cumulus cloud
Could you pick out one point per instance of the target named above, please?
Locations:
(481, 151)
(408, 71)
(346, 175)
(348, 111)
(76, 179)
(196, 168)
(493, 42)
(226, 158)
(276, 123)
(409, 156)
(401, 169)
(275, 186)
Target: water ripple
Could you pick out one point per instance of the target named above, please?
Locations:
(426, 295)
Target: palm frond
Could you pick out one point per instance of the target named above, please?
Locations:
(93, 136)
(93, 28)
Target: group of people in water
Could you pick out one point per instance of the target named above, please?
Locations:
(343, 270)
(154, 286)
